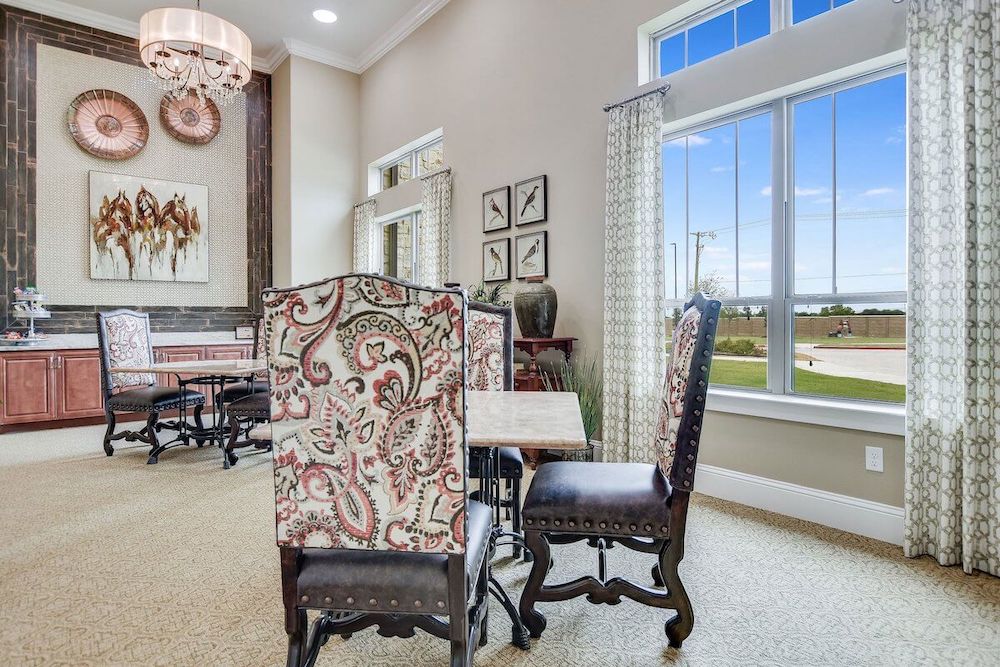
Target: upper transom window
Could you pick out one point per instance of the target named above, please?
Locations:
(710, 33)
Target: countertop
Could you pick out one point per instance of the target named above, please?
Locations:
(161, 339)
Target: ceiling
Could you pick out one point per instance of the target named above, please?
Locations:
(364, 31)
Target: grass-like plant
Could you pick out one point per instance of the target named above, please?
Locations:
(584, 377)
(496, 295)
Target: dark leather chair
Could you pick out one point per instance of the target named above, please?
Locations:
(243, 413)
(491, 368)
(124, 341)
(637, 505)
(237, 390)
(368, 428)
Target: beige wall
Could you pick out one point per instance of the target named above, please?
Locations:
(316, 180)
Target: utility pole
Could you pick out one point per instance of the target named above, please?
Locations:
(675, 269)
(698, 247)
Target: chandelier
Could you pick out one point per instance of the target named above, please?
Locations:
(191, 51)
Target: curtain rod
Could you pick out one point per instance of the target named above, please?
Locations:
(436, 172)
(662, 89)
(370, 199)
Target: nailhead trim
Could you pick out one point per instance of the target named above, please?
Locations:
(328, 600)
(393, 603)
(305, 598)
(586, 524)
(649, 527)
(633, 527)
(603, 524)
(440, 604)
(418, 604)
(373, 602)
(350, 600)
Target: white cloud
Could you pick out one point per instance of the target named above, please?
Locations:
(876, 192)
(894, 140)
(698, 140)
(765, 192)
(808, 192)
(720, 170)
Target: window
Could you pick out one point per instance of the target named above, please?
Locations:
(806, 9)
(710, 33)
(412, 164)
(399, 247)
(809, 255)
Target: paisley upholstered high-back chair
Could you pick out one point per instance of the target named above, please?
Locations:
(642, 506)
(124, 341)
(491, 368)
(368, 428)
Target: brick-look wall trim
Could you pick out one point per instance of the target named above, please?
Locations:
(20, 33)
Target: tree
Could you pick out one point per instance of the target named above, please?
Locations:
(710, 284)
(838, 310)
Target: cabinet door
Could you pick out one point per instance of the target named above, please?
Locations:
(165, 354)
(78, 391)
(28, 387)
(215, 352)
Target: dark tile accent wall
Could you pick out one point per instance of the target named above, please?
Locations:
(20, 33)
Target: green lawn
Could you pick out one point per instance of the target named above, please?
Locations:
(840, 342)
(753, 374)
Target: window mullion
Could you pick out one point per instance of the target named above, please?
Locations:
(776, 316)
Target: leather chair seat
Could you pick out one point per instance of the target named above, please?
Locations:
(154, 399)
(256, 405)
(237, 390)
(511, 462)
(374, 580)
(601, 498)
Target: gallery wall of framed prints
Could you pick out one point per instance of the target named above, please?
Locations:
(504, 210)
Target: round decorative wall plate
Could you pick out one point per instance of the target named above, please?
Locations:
(107, 124)
(189, 119)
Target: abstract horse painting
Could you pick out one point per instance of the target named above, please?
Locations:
(147, 229)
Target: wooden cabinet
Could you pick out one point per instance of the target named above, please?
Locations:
(28, 387)
(78, 384)
(51, 385)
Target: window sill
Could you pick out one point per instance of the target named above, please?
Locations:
(857, 415)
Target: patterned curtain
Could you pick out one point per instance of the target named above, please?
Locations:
(434, 235)
(952, 492)
(365, 256)
(634, 332)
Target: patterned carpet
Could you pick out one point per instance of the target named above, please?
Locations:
(112, 562)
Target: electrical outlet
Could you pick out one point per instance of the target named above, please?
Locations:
(873, 459)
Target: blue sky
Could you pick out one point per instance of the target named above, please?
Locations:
(725, 186)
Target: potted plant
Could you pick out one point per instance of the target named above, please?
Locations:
(496, 295)
(584, 378)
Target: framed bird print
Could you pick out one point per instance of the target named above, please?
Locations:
(496, 260)
(530, 199)
(531, 252)
(496, 209)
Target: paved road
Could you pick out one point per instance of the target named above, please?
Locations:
(878, 365)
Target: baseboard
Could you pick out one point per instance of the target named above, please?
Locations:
(854, 515)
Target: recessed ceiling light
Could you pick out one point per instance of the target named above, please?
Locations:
(324, 16)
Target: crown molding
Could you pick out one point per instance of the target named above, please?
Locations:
(301, 49)
(266, 63)
(88, 17)
(398, 32)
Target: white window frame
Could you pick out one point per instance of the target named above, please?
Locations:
(789, 17)
(778, 400)
(408, 152)
(695, 19)
(413, 214)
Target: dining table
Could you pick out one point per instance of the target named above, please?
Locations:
(214, 374)
(525, 419)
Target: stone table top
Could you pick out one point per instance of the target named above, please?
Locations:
(228, 367)
(529, 419)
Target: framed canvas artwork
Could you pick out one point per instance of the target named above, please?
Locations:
(147, 229)
(496, 209)
(496, 260)
(530, 200)
(531, 252)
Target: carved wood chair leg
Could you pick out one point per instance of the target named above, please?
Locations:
(538, 545)
(108, 447)
(679, 627)
(199, 422)
(229, 457)
(296, 624)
